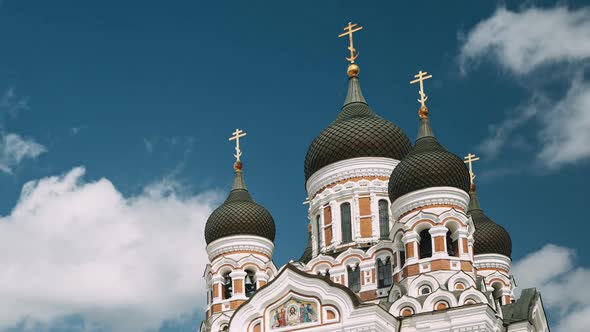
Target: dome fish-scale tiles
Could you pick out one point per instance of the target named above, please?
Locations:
(356, 132)
(239, 215)
(428, 165)
(239, 218)
(490, 237)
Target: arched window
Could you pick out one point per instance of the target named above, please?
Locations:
(425, 244)
(383, 272)
(450, 245)
(425, 290)
(228, 289)
(354, 279)
(345, 216)
(441, 305)
(384, 219)
(250, 283)
(319, 233)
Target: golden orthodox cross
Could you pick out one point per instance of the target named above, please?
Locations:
(350, 29)
(421, 77)
(469, 159)
(236, 136)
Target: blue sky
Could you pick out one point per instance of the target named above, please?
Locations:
(135, 100)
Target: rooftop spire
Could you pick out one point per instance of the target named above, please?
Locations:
(350, 29)
(420, 78)
(424, 130)
(354, 94)
(469, 159)
(238, 190)
(473, 201)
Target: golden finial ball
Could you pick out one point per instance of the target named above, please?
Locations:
(238, 166)
(423, 112)
(353, 70)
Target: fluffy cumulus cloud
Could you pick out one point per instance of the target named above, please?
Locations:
(562, 283)
(525, 44)
(524, 41)
(72, 247)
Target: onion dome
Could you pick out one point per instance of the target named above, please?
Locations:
(239, 214)
(490, 238)
(356, 132)
(427, 165)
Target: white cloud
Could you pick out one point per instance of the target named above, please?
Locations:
(563, 285)
(501, 134)
(526, 40)
(76, 247)
(565, 129)
(525, 43)
(15, 148)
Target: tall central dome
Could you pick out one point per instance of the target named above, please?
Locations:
(356, 132)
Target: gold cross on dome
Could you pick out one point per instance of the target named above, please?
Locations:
(350, 29)
(469, 159)
(420, 78)
(236, 135)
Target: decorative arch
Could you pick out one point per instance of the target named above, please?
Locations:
(461, 277)
(422, 280)
(396, 292)
(437, 296)
(403, 302)
(472, 294)
(344, 306)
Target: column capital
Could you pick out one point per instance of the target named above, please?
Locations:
(438, 231)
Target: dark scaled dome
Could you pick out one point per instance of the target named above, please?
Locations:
(427, 165)
(490, 238)
(356, 132)
(239, 215)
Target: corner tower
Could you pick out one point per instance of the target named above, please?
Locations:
(347, 169)
(492, 249)
(433, 235)
(239, 236)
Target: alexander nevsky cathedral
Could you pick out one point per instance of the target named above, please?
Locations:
(398, 240)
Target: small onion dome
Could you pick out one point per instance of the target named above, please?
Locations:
(427, 165)
(490, 238)
(239, 214)
(356, 132)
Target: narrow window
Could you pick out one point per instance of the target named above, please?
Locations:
(425, 244)
(228, 290)
(250, 283)
(319, 232)
(384, 273)
(384, 219)
(346, 222)
(354, 279)
(450, 244)
(402, 259)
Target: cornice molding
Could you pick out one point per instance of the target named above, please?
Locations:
(349, 168)
(429, 196)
